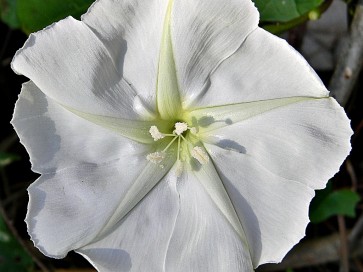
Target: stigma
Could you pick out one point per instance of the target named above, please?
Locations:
(180, 128)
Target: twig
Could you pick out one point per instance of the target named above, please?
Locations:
(352, 174)
(18, 238)
(6, 143)
(13, 197)
(356, 235)
(358, 265)
(5, 182)
(344, 253)
(351, 60)
(358, 129)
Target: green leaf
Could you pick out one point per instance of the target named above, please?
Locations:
(7, 158)
(37, 14)
(13, 258)
(285, 10)
(8, 13)
(328, 203)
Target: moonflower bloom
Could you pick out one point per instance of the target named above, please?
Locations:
(173, 136)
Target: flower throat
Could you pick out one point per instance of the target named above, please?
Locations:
(196, 152)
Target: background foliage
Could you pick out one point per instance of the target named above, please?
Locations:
(33, 15)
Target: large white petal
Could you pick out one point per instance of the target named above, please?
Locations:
(270, 164)
(87, 185)
(131, 30)
(264, 67)
(203, 239)
(140, 241)
(71, 65)
(292, 141)
(74, 206)
(204, 33)
(56, 138)
(273, 210)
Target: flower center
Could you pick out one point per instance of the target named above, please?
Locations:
(197, 152)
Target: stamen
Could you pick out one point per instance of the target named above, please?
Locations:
(178, 168)
(180, 127)
(172, 141)
(186, 140)
(178, 148)
(156, 157)
(199, 154)
(155, 133)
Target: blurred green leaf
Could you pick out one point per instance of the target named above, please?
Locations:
(328, 203)
(285, 10)
(8, 13)
(37, 14)
(279, 27)
(33, 15)
(7, 158)
(13, 258)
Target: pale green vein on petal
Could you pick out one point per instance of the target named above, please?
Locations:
(211, 118)
(212, 183)
(167, 94)
(142, 185)
(133, 129)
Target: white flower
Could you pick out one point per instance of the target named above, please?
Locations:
(173, 136)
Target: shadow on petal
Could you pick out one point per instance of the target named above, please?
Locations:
(231, 145)
(245, 213)
(36, 130)
(111, 259)
(31, 40)
(196, 166)
(118, 61)
(37, 205)
(206, 121)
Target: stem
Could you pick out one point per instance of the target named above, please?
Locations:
(344, 254)
(16, 235)
(351, 60)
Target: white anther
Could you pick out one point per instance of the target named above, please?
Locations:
(155, 133)
(156, 157)
(180, 127)
(193, 130)
(199, 154)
